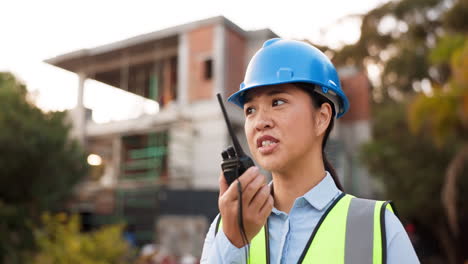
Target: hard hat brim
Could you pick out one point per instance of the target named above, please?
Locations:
(238, 98)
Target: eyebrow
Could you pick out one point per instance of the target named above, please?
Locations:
(270, 93)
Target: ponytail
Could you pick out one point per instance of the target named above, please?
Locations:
(331, 170)
(318, 100)
(326, 163)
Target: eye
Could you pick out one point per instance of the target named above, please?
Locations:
(277, 102)
(249, 110)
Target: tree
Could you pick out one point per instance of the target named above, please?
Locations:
(420, 117)
(411, 169)
(444, 115)
(39, 165)
(396, 38)
(60, 241)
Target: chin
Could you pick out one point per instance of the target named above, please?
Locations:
(271, 163)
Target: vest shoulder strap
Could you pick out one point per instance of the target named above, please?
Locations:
(353, 231)
(381, 252)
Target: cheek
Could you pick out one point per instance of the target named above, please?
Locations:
(300, 126)
(249, 135)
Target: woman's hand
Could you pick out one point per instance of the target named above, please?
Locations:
(257, 203)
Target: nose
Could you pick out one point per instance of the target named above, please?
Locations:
(263, 121)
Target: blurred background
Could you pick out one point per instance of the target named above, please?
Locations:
(111, 134)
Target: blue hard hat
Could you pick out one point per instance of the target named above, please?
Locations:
(290, 61)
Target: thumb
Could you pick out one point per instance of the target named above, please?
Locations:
(223, 186)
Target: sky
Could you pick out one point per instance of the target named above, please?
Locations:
(33, 31)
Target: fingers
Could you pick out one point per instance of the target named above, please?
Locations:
(260, 198)
(252, 189)
(259, 209)
(265, 210)
(257, 204)
(248, 176)
(245, 179)
(223, 186)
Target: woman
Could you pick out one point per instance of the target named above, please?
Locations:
(291, 96)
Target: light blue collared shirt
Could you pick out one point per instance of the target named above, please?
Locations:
(289, 232)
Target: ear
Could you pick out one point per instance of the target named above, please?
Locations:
(323, 117)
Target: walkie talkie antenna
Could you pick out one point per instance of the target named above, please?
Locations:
(235, 142)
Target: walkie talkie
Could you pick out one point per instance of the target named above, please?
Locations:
(235, 162)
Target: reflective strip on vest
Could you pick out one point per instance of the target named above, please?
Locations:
(351, 233)
(360, 228)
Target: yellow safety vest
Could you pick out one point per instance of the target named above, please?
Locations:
(351, 231)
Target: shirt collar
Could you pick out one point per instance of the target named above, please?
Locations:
(319, 196)
(323, 193)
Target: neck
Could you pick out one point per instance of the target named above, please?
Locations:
(297, 180)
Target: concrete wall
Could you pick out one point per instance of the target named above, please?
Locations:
(196, 141)
(353, 136)
(209, 141)
(181, 235)
(180, 152)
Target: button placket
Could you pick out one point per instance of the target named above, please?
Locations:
(284, 238)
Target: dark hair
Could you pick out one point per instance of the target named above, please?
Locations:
(317, 101)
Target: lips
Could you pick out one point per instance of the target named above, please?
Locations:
(266, 144)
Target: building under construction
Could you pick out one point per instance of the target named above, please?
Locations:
(161, 170)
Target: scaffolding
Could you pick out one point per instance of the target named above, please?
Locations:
(145, 156)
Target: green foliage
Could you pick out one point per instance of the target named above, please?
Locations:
(38, 162)
(417, 136)
(436, 115)
(16, 237)
(61, 242)
(446, 46)
(412, 170)
(397, 36)
(39, 165)
(410, 166)
(444, 113)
